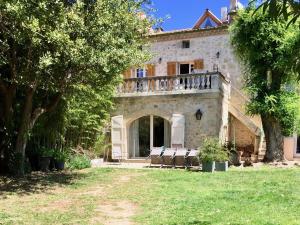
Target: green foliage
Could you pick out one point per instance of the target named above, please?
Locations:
(61, 156)
(212, 150)
(288, 9)
(283, 105)
(270, 52)
(53, 50)
(46, 152)
(87, 112)
(78, 162)
(101, 145)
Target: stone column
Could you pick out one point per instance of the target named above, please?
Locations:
(215, 81)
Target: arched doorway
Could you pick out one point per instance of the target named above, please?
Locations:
(147, 132)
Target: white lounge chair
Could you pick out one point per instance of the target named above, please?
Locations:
(168, 157)
(180, 157)
(156, 156)
(192, 158)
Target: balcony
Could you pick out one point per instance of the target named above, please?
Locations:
(170, 85)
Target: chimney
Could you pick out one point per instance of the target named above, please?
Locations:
(224, 14)
(233, 6)
(233, 10)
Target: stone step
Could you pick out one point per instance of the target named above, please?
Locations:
(136, 160)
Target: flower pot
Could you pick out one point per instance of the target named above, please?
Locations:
(44, 163)
(208, 166)
(222, 166)
(59, 165)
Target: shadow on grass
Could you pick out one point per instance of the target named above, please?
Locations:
(36, 182)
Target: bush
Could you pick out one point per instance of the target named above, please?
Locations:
(46, 152)
(61, 156)
(78, 162)
(212, 150)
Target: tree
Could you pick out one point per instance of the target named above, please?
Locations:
(270, 52)
(288, 9)
(48, 47)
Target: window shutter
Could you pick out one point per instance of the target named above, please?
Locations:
(127, 74)
(171, 68)
(199, 64)
(150, 70)
(117, 137)
(178, 125)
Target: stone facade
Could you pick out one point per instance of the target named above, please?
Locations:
(240, 133)
(222, 100)
(204, 44)
(212, 122)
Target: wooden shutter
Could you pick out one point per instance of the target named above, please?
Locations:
(127, 74)
(117, 137)
(199, 64)
(150, 70)
(177, 133)
(171, 68)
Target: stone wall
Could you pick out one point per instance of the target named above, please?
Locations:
(204, 44)
(243, 136)
(165, 106)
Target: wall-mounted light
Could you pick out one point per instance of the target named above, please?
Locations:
(160, 60)
(218, 55)
(199, 114)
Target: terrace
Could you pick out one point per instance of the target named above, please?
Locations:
(178, 84)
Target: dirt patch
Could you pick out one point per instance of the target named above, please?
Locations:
(117, 213)
(62, 205)
(128, 177)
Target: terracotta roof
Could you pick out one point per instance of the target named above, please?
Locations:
(207, 14)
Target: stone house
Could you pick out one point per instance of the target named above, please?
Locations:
(190, 89)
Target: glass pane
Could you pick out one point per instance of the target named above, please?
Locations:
(140, 73)
(158, 131)
(144, 136)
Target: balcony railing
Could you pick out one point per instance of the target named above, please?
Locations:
(179, 83)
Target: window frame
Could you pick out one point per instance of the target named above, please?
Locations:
(185, 44)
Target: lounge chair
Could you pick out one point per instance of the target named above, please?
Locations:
(168, 157)
(156, 156)
(180, 157)
(192, 158)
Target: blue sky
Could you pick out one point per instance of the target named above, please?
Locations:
(184, 13)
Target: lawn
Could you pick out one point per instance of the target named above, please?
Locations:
(123, 196)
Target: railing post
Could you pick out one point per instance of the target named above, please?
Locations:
(215, 81)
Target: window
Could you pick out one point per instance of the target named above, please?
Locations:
(141, 72)
(186, 44)
(186, 68)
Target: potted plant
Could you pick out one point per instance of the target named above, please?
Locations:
(207, 154)
(45, 156)
(221, 159)
(60, 159)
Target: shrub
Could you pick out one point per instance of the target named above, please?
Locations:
(61, 156)
(212, 150)
(78, 162)
(46, 152)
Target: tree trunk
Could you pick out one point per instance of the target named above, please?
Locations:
(274, 139)
(29, 117)
(22, 136)
(7, 96)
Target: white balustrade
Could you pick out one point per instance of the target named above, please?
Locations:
(203, 81)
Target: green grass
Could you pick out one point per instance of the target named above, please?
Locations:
(265, 196)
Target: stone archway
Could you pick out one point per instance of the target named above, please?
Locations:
(147, 132)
